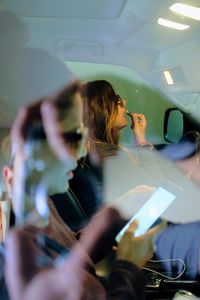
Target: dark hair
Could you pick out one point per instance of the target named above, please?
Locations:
(100, 110)
(63, 101)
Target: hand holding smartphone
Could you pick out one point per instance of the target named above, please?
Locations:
(150, 212)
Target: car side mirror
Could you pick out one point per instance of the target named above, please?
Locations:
(173, 125)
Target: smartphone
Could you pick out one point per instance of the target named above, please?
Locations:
(150, 212)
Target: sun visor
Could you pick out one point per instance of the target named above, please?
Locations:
(189, 103)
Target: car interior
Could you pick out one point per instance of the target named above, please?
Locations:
(149, 51)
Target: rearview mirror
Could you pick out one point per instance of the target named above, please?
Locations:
(173, 125)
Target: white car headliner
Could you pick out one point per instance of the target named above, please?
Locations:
(114, 32)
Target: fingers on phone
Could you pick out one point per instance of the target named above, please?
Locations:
(158, 228)
(132, 227)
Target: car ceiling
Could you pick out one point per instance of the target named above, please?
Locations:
(119, 32)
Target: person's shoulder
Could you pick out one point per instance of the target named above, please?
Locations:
(104, 149)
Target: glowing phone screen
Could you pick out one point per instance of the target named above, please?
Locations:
(150, 212)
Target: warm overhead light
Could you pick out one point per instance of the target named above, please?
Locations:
(168, 77)
(171, 24)
(186, 10)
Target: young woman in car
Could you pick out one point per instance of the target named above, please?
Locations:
(105, 115)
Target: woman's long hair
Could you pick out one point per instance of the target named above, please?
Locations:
(100, 110)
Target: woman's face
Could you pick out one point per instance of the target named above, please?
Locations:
(120, 120)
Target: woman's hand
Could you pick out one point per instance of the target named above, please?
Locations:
(139, 128)
(138, 250)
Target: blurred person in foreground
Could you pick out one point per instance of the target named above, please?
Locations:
(24, 278)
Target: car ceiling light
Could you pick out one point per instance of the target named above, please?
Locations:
(186, 10)
(171, 24)
(168, 77)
